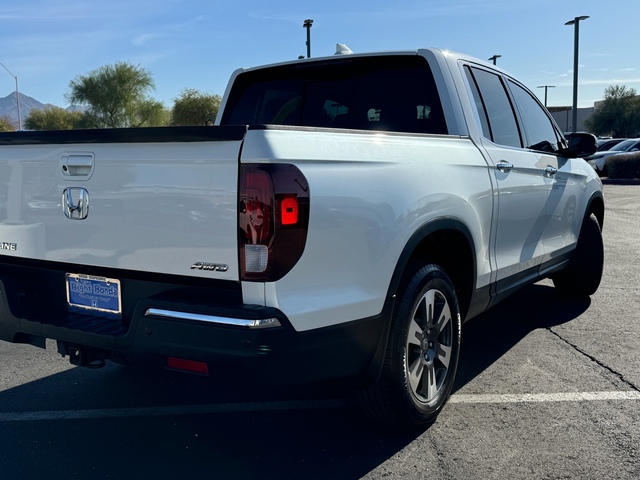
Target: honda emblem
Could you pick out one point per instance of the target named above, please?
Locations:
(75, 203)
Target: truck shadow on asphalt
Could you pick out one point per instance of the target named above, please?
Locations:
(489, 336)
(332, 442)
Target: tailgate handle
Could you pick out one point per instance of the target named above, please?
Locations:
(77, 166)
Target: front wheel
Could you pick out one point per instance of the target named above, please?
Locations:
(422, 353)
(582, 276)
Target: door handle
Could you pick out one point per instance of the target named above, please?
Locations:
(77, 166)
(550, 171)
(504, 166)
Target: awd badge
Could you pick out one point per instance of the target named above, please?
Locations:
(216, 267)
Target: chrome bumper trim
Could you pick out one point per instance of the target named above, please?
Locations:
(196, 317)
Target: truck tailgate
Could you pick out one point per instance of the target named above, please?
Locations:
(150, 200)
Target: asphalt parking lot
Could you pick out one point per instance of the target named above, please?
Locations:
(547, 388)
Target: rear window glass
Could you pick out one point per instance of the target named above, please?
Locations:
(392, 93)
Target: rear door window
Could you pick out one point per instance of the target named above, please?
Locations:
(495, 111)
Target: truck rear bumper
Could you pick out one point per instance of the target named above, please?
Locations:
(208, 326)
(276, 355)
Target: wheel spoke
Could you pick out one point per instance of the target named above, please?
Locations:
(414, 336)
(429, 387)
(416, 370)
(444, 319)
(422, 312)
(429, 300)
(444, 355)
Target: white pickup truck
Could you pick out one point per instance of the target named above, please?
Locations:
(342, 219)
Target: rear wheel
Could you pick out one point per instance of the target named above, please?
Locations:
(582, 276)
(422, 353)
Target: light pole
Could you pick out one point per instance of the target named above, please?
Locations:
(307, 24)
(494, 58)
(545, 92)
(17, 96)
(576, 40)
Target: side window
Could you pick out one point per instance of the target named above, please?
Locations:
(538, 129)
(496, 108)
(482, 113)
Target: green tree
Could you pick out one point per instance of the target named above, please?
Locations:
(152, 114)
(618, 115)
(6, 125)
(53, 118)
(117, 96)
(195, 108)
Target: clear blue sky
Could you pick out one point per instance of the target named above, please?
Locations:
(198, 43)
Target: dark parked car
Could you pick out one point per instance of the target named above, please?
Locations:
(606, 144)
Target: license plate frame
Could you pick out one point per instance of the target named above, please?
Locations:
(94, 295)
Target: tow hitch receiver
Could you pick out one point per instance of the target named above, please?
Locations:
(85, 357)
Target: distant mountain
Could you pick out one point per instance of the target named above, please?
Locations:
(9, 107)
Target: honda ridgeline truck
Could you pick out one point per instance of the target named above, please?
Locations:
(341, 220)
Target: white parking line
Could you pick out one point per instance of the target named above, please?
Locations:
(301, 405)
(545, 397)
(173, 410)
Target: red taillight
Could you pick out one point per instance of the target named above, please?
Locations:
(273, 216)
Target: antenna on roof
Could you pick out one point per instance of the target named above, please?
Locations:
(342, 49)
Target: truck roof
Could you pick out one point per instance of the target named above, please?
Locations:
(419, 51)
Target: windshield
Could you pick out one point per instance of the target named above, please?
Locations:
(393, 93)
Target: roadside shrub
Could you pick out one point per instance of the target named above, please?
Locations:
(624, 165)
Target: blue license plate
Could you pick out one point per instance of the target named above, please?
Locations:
(94, 295)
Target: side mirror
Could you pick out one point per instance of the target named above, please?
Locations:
(580, 145)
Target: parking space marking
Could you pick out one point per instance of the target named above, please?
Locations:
(247, 407)
(545, 397)
(174, 410)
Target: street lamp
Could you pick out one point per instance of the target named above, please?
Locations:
(576, 40)
(494, 58)
(545, 92)
(17, 96)
(307, 24)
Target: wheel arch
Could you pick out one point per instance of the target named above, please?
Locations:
(596, 206)
(446, 242)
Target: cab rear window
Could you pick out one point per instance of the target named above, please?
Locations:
(390, 93)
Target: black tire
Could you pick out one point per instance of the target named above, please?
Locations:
(422, 354)
(582, 276)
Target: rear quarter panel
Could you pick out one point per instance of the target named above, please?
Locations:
(369, 193)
